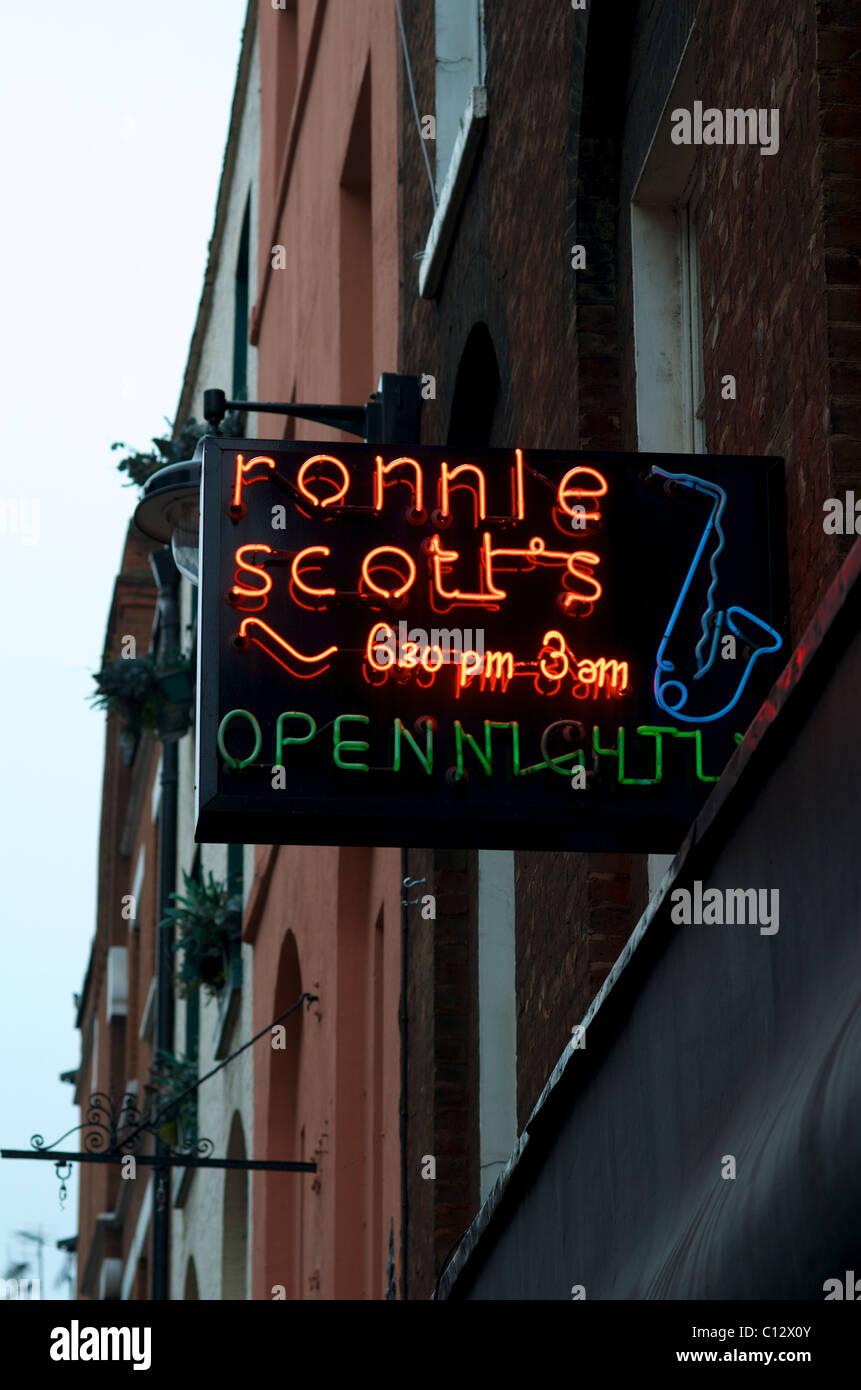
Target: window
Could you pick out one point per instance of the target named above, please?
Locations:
(476, 391)
(137, 889)
(240, 310)
(668, 334)
(228, 1008)
(236, 868)
(192, 1046)
(234, 1220)
(666, 273)
(356, 254)
(460, 116)
(459, 28)
(692, 324)
(281, 91)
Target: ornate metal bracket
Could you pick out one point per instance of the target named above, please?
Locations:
(115, 1127)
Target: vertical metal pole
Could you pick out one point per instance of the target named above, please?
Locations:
(167, 577)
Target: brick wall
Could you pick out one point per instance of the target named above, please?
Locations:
(763, 280)
(511, 268)
(574, 913)
(121, 1057)
(557, 168)
(838, 51)
(442, 1061)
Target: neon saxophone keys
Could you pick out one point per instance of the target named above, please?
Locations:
(671, 691)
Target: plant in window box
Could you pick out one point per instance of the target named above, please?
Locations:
(170, 1076)
(175, 686)
(146, 696)
(141, 464)
(206, 919)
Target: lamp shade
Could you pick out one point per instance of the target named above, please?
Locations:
(169, 510)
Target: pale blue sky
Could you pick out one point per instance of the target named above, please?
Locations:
(114, 119)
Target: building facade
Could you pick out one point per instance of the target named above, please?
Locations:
(211, 1259)
(115, 1004)
(146, 851)
(586, 281)
(299, 303)
(495, 199)
(326, 921)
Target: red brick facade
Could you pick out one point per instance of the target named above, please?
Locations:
(112, 1052)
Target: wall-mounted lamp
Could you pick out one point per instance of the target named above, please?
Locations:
(169, 511)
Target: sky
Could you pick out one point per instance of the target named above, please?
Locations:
(114, 119)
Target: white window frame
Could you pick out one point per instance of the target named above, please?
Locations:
(668, 337)
(137, 888)
(453, 172)
(668, 332)
(116, 983)
(692, 322)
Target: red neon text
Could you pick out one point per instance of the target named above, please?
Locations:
(243, 565)
(241, 469)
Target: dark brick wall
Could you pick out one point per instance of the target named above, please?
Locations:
(595, 128)
(442, 1061)
(511, 268)
(508, 263)
(838, 49)
(574, 913)
(573, 100)
(763, 284)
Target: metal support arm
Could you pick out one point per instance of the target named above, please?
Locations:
(390, 416)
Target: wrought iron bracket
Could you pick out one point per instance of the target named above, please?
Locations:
(115, 1128)
(389, 416)
(172, 1160)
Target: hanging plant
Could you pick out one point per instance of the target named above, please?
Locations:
(146, 696)
(140, 465)
(170, 1076)
(206, 919)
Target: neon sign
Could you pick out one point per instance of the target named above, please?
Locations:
(712, 619)
(341, 700)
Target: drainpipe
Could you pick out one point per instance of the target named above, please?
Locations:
(167, 578)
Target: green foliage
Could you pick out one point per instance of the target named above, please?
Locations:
(140, 465)
(130, 687)
(169, 1077)
(206, 919)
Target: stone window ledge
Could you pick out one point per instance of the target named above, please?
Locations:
(472, 127)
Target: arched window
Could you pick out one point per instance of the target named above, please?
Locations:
(476, 390)
(282, 1195)
(240, 308)
(234, 1252)
(191, 1294)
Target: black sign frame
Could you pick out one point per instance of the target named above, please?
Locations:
(322, 804)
